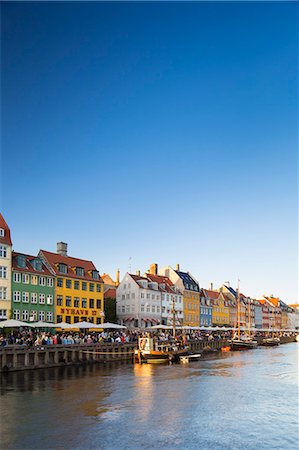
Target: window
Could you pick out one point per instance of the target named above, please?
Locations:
(3, 272)
(1, 232)
(42, 281)
(16, 314)
(41, 315)
(148, 309)
(3, 314)
(68, 319)
(158, 309)
(25, 278)
(142, 295)
(59, 319)
(34, 279)
(49, 299)
(25, 315)
(25, 297)
(50, 282)
(68, 284)
(59, 282)
(59, 300)
(76, 319)
(91, 303)
(91, 287)
(153, 309)
(3, 251)
(123, 297)
(17, 296)
(21, 261)
(133, 294)
(68, 301)
(37, 264)
(127, 309)
(84, 302)
(33, 297)
(3, 293)
(128, 296)
(76, 285)
(49, 316)
(79, 272)
(123, 309)
(84, 286)
(76, 302)
(142, 308)
(98, 287)
(95, 274)
(62, 268)
(42, 299)
(17, 277)
(148, 296)
(99, 304)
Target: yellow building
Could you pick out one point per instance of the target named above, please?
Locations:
(220, 310)
(187, 284)
(79, 293)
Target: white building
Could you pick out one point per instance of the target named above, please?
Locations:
(138, 301)
(5, 270)
(171, 297)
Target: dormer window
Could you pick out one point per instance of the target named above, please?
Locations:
(2, 232)
(37, 264)
(79, 271)
(62, 268)
(21, 261)
(95, 274)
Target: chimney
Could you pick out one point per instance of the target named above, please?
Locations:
(153, 269)
(138, 273)
(117, 277)
(178, 267)
(212, 287)
(62, 248)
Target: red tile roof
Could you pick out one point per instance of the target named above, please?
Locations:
(54, 259)
(212, 294)
(160, 279)
(6, 239)
(110, 293)
(29, 267)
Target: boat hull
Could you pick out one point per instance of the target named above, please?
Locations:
(243, 345)
(270, 342)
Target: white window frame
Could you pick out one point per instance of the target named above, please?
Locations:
(33, 297)
(25, 315)
(25, 297)
(16, 314)
(2, 232)
(49, 299)
(17, 277)
(3, 251)
(41, 315)
(34, 280)
(50, 282)
(25, 278)
(3, 272)
(42, 281)
(17, 296)
(3, 293)
(41, 296)
(49, 316)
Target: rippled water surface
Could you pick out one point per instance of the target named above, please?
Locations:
(237, 400)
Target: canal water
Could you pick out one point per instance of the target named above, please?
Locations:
(237, 400)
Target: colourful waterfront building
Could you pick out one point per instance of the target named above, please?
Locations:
(33, 289)
(220, 309)
(205, 308)
(79, 294)
(190, 289)
(231, 301)
(5, 270)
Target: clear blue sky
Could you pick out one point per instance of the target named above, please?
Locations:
(164, 132)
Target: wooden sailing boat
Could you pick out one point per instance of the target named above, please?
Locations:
(244, 342)
(150, 350)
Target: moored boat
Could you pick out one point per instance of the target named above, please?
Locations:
(153, 352)
(270, 341)
(243, 344)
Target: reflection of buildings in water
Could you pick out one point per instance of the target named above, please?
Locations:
(144, 394)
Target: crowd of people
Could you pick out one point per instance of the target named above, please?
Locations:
(30, 338)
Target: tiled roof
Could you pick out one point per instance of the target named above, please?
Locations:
(212, 294)
(29, 267)
(54, 259)
(6, 239)
(160, 279)
(110, 293)
(188, 280)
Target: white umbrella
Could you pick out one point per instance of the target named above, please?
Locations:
(61, 325)
(110, 325)
(12, 323)
(81, 325)
(42, 324)
(159, 327)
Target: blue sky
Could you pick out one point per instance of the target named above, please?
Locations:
(164, 132)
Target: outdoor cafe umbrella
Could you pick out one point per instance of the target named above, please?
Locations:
(42, 324)
(110, 325)
(160, 327)
(81, 325)
(12, 323)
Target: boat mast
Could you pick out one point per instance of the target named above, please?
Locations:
(249, 317)
(238, 310)
(173, 317)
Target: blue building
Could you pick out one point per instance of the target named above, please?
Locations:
(205, 308)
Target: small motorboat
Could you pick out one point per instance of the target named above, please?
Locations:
(189, 358)
(270, 342)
